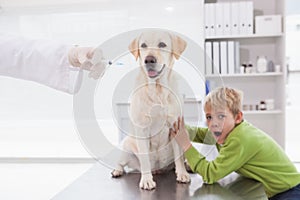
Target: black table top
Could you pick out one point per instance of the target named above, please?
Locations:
(97, 183)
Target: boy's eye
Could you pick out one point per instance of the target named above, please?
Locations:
(221, 116)
(208, 117)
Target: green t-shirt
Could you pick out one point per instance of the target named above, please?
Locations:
(247, 151)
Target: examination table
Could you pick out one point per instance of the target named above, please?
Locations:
(97, 184)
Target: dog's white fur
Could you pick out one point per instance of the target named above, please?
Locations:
(155, 105)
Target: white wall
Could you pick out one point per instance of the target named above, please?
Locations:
(293, 41)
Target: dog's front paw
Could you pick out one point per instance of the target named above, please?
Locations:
(117, 173)
(147, 182)
(183, 177)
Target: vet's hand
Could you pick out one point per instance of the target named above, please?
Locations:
(88, 58)
(179, 132)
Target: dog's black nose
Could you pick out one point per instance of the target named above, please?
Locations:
(150, 59)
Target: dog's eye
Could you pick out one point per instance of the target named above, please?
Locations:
(162, 45)
(143, 45)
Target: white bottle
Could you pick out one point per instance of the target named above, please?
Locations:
(270, 104)
(249, 68)
(261, 64)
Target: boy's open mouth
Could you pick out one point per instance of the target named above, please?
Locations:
(217, 133)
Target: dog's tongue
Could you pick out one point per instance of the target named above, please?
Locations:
(152, 73)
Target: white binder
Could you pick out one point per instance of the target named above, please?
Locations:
(223, 58)
(206, 20)
(249, 18)
(219, 19)
(243, 13)
(226, 19)
(208, 58)
(237, 56)
(231, 57)
(216, 57)
(234, 18)
(211, 18)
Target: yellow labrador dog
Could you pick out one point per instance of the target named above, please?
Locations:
(155, 105)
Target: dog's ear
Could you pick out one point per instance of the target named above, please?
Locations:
(134, 48)
(179, 46)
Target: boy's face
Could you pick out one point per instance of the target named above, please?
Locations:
(221, 122)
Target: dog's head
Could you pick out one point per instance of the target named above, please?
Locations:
(156, 51)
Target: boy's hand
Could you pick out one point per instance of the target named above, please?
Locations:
(180, 134)
(87, 58)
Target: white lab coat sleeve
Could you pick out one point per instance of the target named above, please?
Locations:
(42, 61)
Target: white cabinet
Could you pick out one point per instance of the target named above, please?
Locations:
(257, 87)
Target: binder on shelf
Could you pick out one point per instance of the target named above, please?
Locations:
(242, 12)
(206, 20)
(211, 18)
(237, 56)
(249, 18)
(223, 57)
(216, 57)
(234, 18)
(226, 19)
(208, 58)
(219, 19)
(231, 57)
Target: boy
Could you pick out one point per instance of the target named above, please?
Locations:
(242, 147)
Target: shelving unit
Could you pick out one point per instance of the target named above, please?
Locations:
(267, 74)
(259, 86)
(268, 112)
(243, 36)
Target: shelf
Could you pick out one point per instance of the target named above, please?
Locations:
(242, 36)
(267, 74)
(246, 47)
(261, 112)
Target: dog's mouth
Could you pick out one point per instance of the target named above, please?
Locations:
(152, 73)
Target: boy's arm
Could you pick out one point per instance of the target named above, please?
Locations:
(231, 157)
(200, 135)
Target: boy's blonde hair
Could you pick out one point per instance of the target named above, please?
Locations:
(221, 97)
